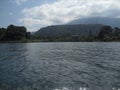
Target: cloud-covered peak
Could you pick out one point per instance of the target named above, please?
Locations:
(64, 11)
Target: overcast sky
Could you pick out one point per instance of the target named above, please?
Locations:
(35, 14)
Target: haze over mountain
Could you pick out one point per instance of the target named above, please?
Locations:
(114, 22)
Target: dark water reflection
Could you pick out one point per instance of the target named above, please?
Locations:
(60, 66)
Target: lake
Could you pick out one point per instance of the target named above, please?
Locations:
(60, 66)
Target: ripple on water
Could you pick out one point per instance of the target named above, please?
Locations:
(60, 66)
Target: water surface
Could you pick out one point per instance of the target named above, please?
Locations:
(60, 66)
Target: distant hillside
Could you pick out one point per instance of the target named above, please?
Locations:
(64, 30)
(114, 22)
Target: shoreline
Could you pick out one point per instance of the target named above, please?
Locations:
(38, 41)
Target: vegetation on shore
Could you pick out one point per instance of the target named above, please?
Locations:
(14, 33)
(17, 34)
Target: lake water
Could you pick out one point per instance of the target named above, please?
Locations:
(60, 66)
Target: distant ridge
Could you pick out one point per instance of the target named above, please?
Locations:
(114, 22)
(64, 30)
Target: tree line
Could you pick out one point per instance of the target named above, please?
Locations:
(19, 33)
(14, 33)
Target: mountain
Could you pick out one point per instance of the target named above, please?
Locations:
(69, 30)
(114, 22)
(78, 27)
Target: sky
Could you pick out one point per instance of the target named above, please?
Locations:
(35, 14)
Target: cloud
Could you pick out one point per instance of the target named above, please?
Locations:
(19, 2)
(10, 13)
(64, 11)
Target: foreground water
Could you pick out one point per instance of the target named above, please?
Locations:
(60, 66)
